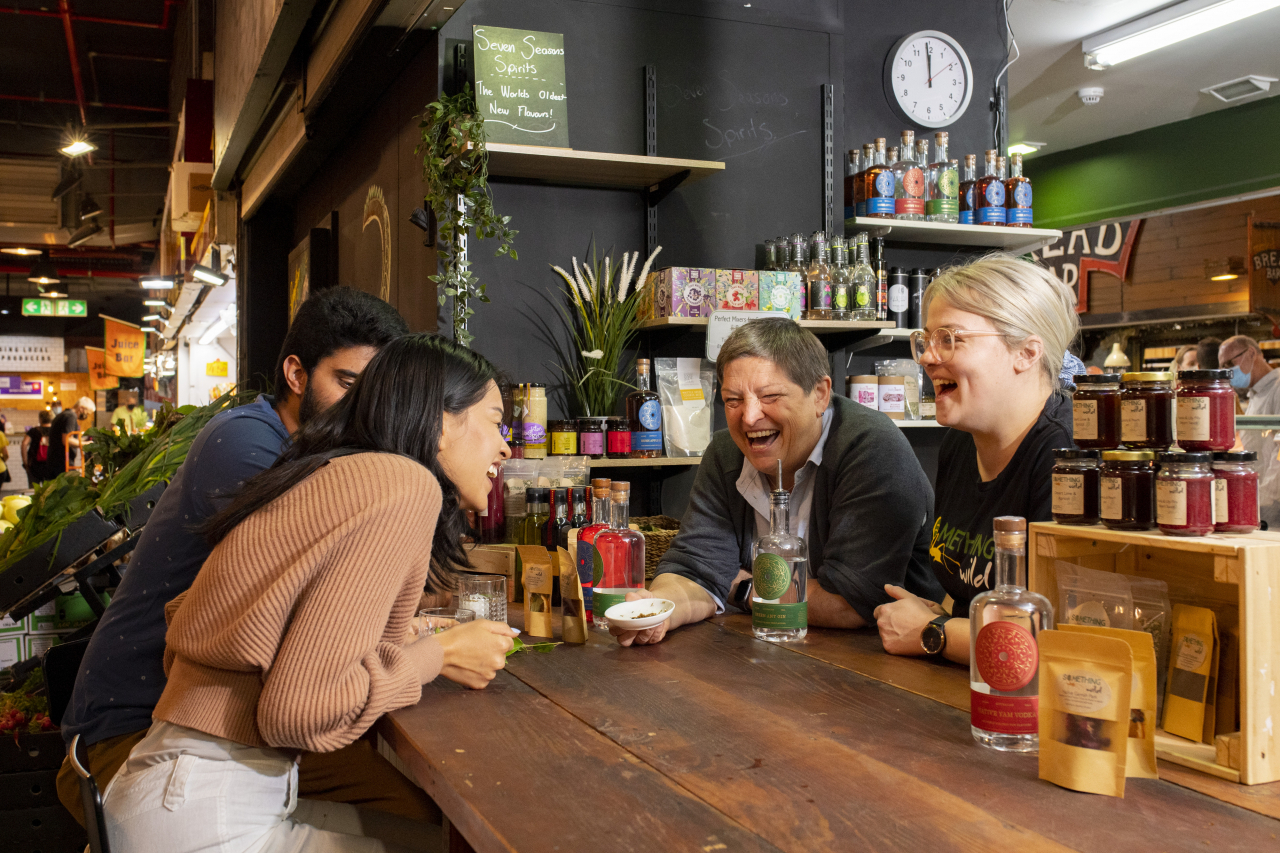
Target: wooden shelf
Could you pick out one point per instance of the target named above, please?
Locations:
(818, 327)
(661, 462)
(568, 167)
(1015, 240)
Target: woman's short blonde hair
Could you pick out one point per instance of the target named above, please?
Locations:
(1019, 298)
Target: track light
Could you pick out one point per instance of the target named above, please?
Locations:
(89, 208)
(77, 147)
(69, 181)
(208, 275)
(155, 303)
(155, 282)
(84, 234)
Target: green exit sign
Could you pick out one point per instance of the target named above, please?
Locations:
(54, 308)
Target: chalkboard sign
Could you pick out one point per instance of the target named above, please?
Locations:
(520, 86)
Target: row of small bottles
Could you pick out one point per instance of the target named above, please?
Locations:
(905, 183)
(841, 281)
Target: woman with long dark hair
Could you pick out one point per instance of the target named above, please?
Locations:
(295, 635)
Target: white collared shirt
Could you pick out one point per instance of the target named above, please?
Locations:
(754, 488)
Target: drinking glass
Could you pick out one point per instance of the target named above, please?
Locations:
(433, 620)
(484, 595)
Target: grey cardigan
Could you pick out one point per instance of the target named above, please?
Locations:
(868, 524)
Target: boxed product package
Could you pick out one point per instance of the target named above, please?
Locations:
(737, 290)
(537, 574)
(43, 619)
(10, 652)
(9, 626)
(782, 291)
(686, 387)
(682, 292)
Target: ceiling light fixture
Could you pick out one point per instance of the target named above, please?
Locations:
(52, 294)
(1240, 88)
(1026, 147)
(20, 250)
(1225, 269)
(89, 208)
(155, 303)
(84, 234)
(78, 147)
(43, 272)
(155, 282)
(150, 317)
(68, 182)
(211, 276)
(1165, 27)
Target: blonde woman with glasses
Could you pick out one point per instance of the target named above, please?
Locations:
(994, 345)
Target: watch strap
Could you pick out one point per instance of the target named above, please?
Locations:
(941, 623)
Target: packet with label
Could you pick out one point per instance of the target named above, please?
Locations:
(533, 563)
(1084, 711)
(573, 626)
(1151, 613)
(1191, 659)
(686, 388)
(1090, 597)
(1141, 763)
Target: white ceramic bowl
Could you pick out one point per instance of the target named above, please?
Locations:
(628, 614)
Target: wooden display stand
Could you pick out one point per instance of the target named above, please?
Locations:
(1238, 577)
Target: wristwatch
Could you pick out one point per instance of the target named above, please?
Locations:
(934, 636)
(741, 595)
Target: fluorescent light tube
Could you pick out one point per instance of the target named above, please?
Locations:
(155, 283)
(211, 276)
(1167, 26)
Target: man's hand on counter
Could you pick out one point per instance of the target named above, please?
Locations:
(693, 604)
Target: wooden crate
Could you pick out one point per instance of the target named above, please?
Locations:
(1238, 577)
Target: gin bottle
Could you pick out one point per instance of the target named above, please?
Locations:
(620, 567)
(644, 413)
(818, 280)
(1004, 655)
(864, 281)
(860, 180)
(988, 194)
(944, 184)
(1017, 196)
(966, 188)
(908, 181)
(779, 575)
(841, 280)
(588, 560)
(852, 167)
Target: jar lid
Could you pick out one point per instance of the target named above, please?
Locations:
(1009, 524)
(617, 422)
(559, 426)
(1096, 378)
(1127, 456)
(1198, 457)
(600, 483)
(1235, 456)
(1074, 453)
(1158, 376)
(1204, 375)
(535, 385)
(597, 421)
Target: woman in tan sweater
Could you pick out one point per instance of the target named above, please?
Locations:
(295, 635)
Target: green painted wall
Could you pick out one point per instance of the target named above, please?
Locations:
(1223, 153)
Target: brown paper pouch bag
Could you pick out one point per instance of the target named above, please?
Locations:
(1190, 667)
(573, 621)
(1141, 763)
(1084, 711)
(534, 564)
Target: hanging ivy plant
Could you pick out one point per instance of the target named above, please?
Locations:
(455, 165)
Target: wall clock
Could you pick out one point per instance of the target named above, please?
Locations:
(928, 79)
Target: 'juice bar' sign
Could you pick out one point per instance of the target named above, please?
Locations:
(520, 86)
(1106, 248)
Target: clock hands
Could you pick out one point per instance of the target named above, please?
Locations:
(928, 63)
(940, 70)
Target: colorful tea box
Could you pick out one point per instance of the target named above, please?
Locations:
(683, 292)
(782, 291)
(737, 290)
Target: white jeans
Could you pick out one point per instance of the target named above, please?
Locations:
(183, 790)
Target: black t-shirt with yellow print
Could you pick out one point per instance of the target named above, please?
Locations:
(961, 547)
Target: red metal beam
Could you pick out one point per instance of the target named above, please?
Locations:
(92, 19)
(46, 100)
(65, 272)
(64, 10)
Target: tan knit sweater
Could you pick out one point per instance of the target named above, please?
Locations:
(293, 634)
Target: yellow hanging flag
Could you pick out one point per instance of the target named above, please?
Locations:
(125, 347)
(99, 379)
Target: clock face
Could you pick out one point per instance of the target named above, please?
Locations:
(929, 79)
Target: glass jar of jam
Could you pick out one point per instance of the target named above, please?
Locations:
(591, 437)
(1095, 411)
(1184, 493)
(564, 438)
(618, 438)
(1206, 410)
(1127, 489)
(1235, 492)
(1146, 410)
(1075, 486)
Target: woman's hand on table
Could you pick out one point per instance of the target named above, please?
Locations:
(901, 621)
(474, 652)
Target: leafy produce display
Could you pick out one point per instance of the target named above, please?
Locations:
(153, 458)
(26, 709)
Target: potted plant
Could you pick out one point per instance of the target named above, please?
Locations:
(455, 166)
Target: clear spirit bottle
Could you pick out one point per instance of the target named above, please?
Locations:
(908, 181)
(943, 204)
(988, 194)
(877, 185)
(841, 281)
(770, 255)
(588, 559)
(818, 280)
(621, 556)
(1017, 196)
(922, 160)
(1004, 655)
(779, 575)
(782, 246)
(851, 169)
(864, 281)
(966, 188)
(644, 413)
(533, 527)
(799, 261)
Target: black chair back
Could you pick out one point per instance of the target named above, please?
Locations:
(90, 799)
(61, 664)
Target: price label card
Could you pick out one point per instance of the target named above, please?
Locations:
(721, 323)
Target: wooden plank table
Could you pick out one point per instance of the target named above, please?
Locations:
(713, 740)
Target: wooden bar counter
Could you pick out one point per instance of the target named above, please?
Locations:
(713, 740)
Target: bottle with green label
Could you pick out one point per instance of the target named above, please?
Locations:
(863, 281)
(841, 280)
(779, 575)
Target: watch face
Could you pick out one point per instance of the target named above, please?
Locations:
(932, 638)
(930, 79)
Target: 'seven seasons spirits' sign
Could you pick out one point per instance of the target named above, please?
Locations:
(520, 86)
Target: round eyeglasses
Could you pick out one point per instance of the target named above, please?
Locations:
(943, 341)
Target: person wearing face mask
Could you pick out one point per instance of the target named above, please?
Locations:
(1253, 377)
(994, 345)
(858, 495)
(131, 417)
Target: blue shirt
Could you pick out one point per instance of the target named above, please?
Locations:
(122, 674)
